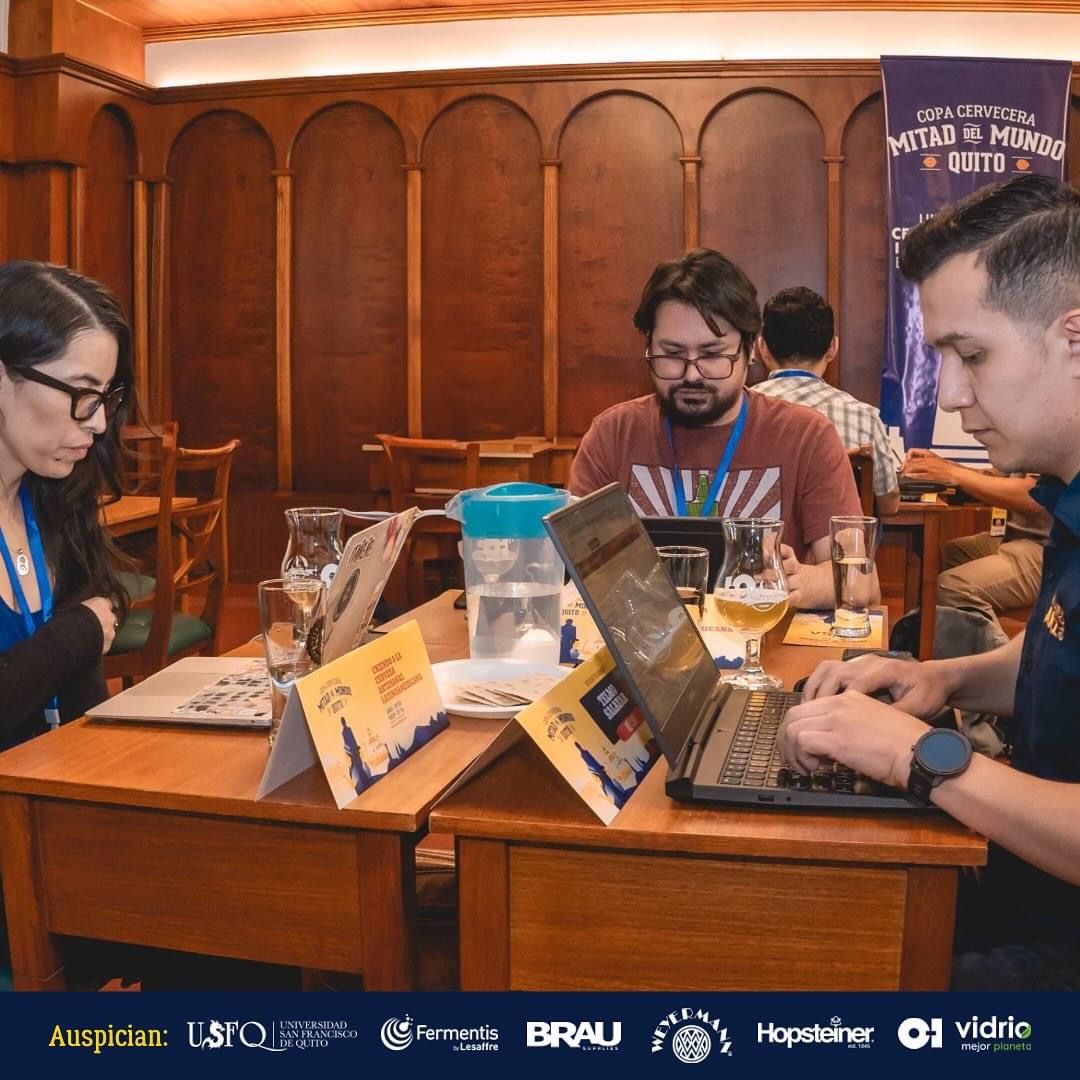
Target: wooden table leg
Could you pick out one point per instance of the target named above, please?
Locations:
(929, 919)
(931, 565)
(387, 864)
(484, 913)
(37, 961)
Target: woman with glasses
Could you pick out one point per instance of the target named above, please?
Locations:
(65, 383)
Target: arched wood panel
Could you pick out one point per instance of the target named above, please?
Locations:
(348, 329)
(865, 250)
(108, 232)
(482, 236)
(221, 313)
(763, 191)
(620, 213)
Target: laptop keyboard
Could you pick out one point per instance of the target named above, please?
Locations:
(753, 761)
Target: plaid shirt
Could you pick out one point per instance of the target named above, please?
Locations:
(858, 423)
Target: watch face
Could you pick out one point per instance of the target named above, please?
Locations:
(944, 751)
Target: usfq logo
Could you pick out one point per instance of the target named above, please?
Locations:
(281, 1035)
(693, 1033)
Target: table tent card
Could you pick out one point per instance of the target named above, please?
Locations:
(590, 730)
(816, 628)
(359, 716)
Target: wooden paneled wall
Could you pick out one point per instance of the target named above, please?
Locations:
(308, 262)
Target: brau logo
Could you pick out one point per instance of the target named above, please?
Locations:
(586, 1035)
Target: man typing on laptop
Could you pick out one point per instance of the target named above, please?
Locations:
(999, 284)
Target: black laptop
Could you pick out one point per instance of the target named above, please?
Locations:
(706, 532)
(719, 740)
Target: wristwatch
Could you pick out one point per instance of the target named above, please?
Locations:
(938, 755)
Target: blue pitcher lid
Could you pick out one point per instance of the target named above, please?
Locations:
(506, 511)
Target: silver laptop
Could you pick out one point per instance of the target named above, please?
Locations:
(224, 690)
(719, 741)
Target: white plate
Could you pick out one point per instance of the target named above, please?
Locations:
(457, 671)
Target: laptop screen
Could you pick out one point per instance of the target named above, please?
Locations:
(638, 612)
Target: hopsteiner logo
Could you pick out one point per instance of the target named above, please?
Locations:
(994, 1034)
(398, 1034)
(588, 1035)
(694, 1035)
(836, 1034)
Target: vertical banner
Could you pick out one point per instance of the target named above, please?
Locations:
(951, 127)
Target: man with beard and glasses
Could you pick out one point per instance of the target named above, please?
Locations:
(701, 445)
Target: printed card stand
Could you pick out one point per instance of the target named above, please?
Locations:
(725, 644)
(590, 730)
(816, 628)
(359, 716)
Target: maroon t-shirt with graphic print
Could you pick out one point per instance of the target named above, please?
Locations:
(789, 464)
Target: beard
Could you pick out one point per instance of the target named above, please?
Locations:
(710, 404)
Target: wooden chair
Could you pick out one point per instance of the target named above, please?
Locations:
(192, 566)
(862, 465)
(426, 473)
(144, 449)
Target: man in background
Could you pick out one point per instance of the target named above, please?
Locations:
(989, 573)
(797, 344)
(701, 445)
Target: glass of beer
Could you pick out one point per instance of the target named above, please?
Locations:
(854, 542)
(751, 592)
(688, 568)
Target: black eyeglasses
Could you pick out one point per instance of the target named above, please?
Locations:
(84, 402)
(665, 366)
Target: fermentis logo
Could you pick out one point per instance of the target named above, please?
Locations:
(692, 1035)
(399, 1034)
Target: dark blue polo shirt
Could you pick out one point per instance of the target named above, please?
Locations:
(1045, 729)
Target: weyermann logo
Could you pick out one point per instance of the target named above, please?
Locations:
(694, 1035)
(399, 1034)
(915, 1033)
(586, 1035)
(836, 1034)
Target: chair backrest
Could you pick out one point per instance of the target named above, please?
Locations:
(426, 472)
(862, 465)
(143, 452)
(192, 552)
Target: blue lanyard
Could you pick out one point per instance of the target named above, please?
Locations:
(793, 373)
(37, 553)
(721, 469)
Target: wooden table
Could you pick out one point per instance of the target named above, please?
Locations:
(924, 520)
(528, 457)
(673, 896)
(137, 513)
(150, 834)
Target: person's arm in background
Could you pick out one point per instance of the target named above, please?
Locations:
(1011, 492)
(827, 488)
(886, 482)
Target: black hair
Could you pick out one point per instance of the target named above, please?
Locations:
(42, 309)
(797, 324)
(708, 281)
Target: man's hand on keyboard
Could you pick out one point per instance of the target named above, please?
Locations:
(918, 689)
(866, 735)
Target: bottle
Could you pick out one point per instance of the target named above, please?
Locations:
(697, 503)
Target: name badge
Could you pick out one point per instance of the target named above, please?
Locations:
(998, 518)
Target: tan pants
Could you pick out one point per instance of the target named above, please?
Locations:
(988, 575)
